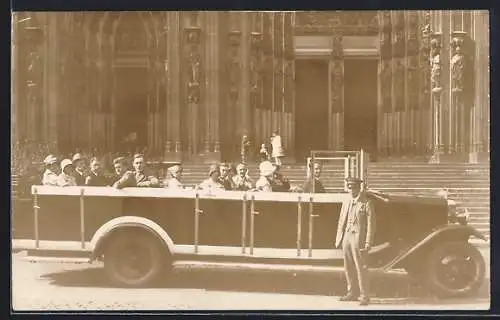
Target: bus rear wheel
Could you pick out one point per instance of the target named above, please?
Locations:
(134, 260)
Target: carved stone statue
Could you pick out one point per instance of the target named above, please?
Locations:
(194, 78)
(457, 65)
(435, 65)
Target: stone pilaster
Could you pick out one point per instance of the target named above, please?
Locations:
(336, 95)
(385, 78)
(424, 82)
(212, 103)
(173, 146)
(194, 82)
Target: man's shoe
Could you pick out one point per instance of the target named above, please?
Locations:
(349, 297)
(364, 301)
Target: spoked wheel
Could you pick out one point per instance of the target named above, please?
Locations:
(134, 260)
(455, 269)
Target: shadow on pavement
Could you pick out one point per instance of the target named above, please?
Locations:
(393, 289)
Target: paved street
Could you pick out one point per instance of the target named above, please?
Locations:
(69, 286)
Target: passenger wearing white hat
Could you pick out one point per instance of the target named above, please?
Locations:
(66, 178)
(50, 174)
(265, 181)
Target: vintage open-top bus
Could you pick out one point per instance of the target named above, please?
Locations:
(141, 233)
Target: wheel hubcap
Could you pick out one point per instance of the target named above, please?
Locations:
(133, 261)
(457, 272)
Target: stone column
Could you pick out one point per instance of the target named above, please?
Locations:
(385, 80)
(458, 105)
(212, 142)
(479, 113)
(424, 83)
(437, 89)
(336, 95)
(173, 147)
(194, 65)
(237, 76)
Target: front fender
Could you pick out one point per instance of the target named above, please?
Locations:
(128, 221)
(452, 232)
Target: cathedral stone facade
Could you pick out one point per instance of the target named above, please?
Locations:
(189, 85)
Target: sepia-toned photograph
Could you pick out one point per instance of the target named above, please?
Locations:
(250, 160)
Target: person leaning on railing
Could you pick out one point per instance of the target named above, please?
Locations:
(137, 178)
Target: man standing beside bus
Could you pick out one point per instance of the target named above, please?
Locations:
(355, 231)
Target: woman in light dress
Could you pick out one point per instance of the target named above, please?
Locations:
(277, 152)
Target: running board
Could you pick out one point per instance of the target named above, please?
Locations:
(233, 266)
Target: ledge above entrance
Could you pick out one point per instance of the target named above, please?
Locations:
(321, 46)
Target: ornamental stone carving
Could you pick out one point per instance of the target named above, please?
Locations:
(193, 39)
(436, 63)
(337, 85)
(457, 62)
(255, 72)
(424, 60)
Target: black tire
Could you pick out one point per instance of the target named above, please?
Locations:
(454, 269)
(134, 260)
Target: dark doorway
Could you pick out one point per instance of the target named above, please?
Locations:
(360, 105)
(311, 107)
(131, 109)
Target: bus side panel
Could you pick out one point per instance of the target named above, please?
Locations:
(276, 226)
(324, 225)
(98, 211)
(58, 218)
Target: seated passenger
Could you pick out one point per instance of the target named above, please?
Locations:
(80, 169)
(265, 182)
(174, 174)
(213, 182)
(66, 178)
(138, 177)
(225, 176)
(96, 177)
(242, 181)
(279, 182)
(314, 180)
(50, 174)
(120, 167)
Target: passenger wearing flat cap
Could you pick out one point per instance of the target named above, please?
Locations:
(173, 180)
(79, 172)
(213, 181)
(241, 180)
(50, 177)
(355, 232)
(313, 184)
(139, 177)
(66, 178)
(96, 176)
(265, 182)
